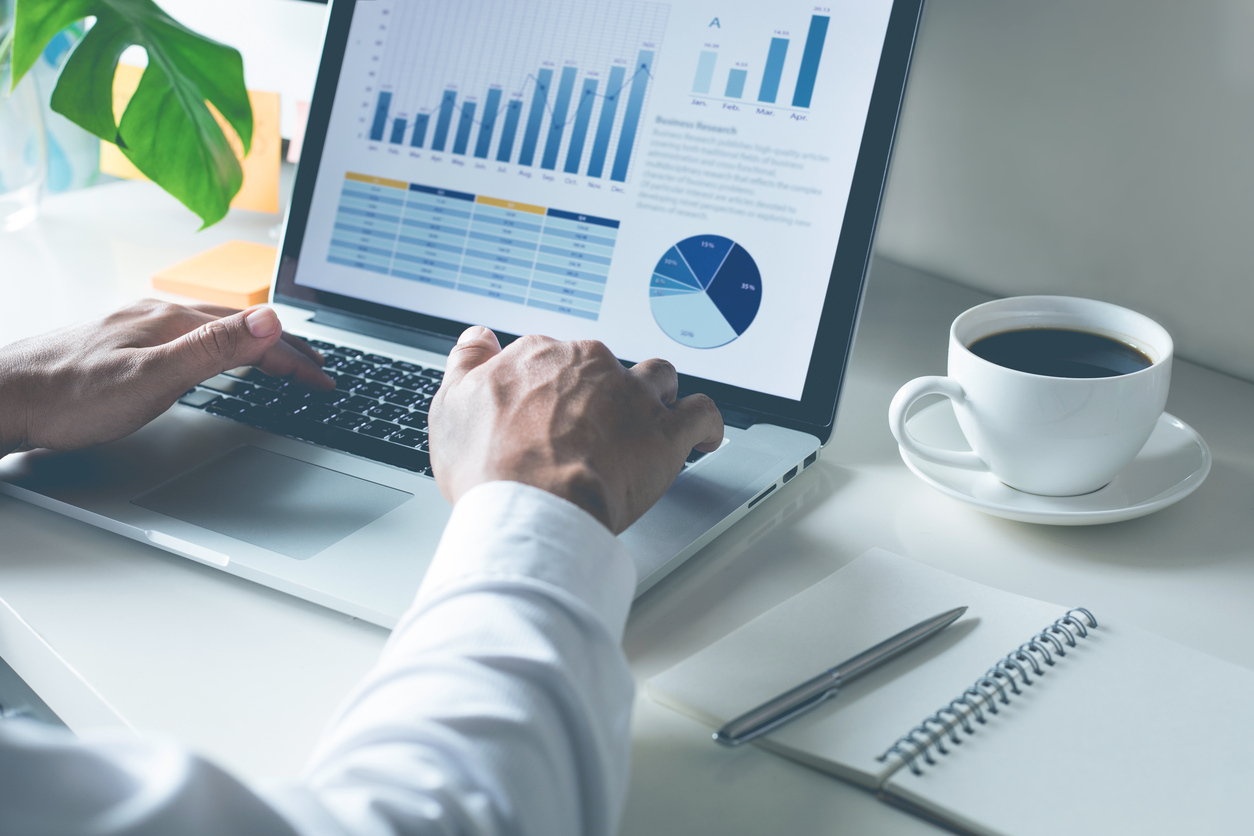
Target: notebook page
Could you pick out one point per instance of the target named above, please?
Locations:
(1130, 733)
(865, 602)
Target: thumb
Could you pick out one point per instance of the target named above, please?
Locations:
(476, 346)
(220, 344)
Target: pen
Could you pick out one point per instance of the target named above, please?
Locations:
(792, 703)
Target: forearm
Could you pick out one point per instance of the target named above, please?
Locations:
(14, 398)
(502, 702)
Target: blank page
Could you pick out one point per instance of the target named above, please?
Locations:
(1130, 733)
(865, 602)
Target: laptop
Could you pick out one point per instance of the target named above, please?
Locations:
(687, 180)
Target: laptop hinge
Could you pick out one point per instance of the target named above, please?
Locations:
(424, 340)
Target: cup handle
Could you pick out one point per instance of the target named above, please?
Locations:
(902, 401)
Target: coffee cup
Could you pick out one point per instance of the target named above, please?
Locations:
(1047, 404)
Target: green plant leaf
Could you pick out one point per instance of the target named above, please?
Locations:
(167, 130)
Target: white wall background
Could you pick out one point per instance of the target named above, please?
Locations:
(1099, 148)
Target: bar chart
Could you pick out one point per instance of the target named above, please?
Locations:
(771, 77)
(528, 85)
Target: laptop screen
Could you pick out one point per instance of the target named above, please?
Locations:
(668, 178)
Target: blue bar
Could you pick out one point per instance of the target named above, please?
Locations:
(605, 126)
(414, 187)
(443, 120)
(736, 84)
(398, 131)
(381, 115)
(558, 123)
(489, 122)
(512, 110)
(420, 130)
(583, 219)
(631, 119)
(583, 115)
(810, 61)
(774, 69)
(705, 72)
(532, 131)
(463, 128)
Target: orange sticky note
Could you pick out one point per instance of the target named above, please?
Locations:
(260, 191)
(236, 274)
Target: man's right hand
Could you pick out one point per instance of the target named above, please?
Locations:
(568, 418)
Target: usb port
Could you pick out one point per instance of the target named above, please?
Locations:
(811, 459)
(788, 476)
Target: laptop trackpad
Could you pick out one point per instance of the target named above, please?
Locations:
(272, 501)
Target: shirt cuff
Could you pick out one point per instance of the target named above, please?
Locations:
(510, 530)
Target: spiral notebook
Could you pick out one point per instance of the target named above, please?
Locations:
(1021, 718)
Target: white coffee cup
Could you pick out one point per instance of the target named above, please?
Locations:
(1055, 436)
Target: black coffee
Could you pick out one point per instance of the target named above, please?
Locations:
(1059, 352)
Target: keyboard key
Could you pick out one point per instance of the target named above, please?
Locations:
(386, 411)
(378, 429)
(318, 412)
(384, 375)
(199, 398)
(416, 420)
(348, 420)
(434, 374)
(227, 407)
(226, 385)
(408, 437)
(406, 397)
(357, 403)
(376, 358)
(401, 365)
(357, 367)
(370, 389)
(319, 344)
(695, 456)
(348, 352)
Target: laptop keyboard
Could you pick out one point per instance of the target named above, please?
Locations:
(378, 409)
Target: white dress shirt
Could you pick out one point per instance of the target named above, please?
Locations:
(500, 705)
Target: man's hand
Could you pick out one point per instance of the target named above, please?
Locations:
(102, 380)
(568, 418)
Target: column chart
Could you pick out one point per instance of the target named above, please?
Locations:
(783, 77)
(515, 252)
(519, 83)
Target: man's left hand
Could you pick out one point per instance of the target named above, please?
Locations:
(102, 380)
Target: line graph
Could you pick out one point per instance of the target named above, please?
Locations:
(556, 85)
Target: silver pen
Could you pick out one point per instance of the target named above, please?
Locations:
(793, 703)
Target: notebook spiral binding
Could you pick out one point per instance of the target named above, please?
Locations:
(928, 738)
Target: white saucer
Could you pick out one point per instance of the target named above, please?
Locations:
(1171, 465)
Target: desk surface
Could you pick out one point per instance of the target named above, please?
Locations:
(111, 632)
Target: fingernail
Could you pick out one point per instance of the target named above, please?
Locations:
(262, 322)
(471, 333)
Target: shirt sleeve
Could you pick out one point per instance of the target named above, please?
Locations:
(501, 704)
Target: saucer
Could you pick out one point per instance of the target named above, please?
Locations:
(1171, 465)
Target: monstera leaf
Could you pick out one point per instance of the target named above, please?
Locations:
(167, 130)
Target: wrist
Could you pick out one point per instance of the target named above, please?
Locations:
(14, 401)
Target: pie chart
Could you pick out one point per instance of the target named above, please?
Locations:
(705, 291)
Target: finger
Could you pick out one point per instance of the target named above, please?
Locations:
(283, 360)
(697, 423)
(660, 376)
(476, 346)
(240, 339)
(304, 348)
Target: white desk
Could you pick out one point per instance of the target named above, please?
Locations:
(114, 633)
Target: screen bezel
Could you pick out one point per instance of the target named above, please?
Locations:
(816, 410)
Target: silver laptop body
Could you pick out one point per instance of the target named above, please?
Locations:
(356, 534)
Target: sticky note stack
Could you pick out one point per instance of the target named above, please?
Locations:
(235, 274)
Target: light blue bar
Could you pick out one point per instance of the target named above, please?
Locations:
(557, 125)
(463, 128)
(583, 115)
(489, 122)
(506, 148)
(774, 70)
(736, 84)
(420, 130)
(810, 61)
(532, 132)
(398, 131)
(705, 71)
(443, 121)
(631, 119)
(381, 115)
(605, 125)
